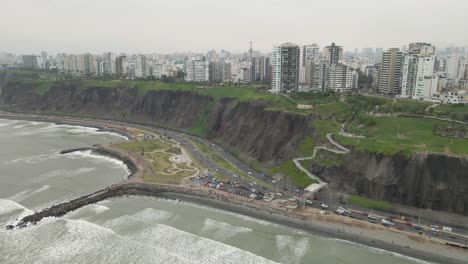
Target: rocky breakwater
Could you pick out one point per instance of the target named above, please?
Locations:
(430, 181)
(107, 193)
(129, 162)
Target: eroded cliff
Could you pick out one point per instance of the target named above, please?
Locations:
(247, 127)
(432, 181)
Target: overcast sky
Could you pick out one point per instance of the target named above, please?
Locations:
(200, 25)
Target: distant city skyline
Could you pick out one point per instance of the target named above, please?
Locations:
(145, 26)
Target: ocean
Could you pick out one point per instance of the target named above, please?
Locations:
(132, 229)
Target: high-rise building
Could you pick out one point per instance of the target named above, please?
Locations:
(44, 56)
(315, 72)
(455, 69)
(108, 63)
(196, 69)
(121, 66)
(285, 64)
(418, 80)
(333, 54)
(217, 71)
(88, 64)
(390, 72)
(310, 53)
(340, 78)
(141, 67)
(62, 63)
(421, 49)
(159, 69)
(30, 62)
(260, 69)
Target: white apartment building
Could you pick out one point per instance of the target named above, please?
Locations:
(310, 53)
(455, 69)
(449, 98)
(340, 78)
(276, 70)
(141, 66)
(418, 79)
(426, 83)
(196, 69)
(109, 63)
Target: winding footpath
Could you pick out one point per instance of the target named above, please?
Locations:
(315, 187)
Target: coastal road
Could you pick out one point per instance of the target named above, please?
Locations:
(459, 236)
(413, 226)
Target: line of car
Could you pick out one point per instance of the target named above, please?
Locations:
(235, 188)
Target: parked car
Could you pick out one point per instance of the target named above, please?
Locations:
(324, 206)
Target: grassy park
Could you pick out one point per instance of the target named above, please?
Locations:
(405, 135)
(157, 153)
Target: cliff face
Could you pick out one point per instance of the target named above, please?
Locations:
(265, 135)
(432, 181)
(268, 136)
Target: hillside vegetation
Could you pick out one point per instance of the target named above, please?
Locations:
(384, 125)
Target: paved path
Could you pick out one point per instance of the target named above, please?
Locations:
(315, 187)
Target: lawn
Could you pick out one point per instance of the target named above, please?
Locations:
(306, 147)
(369, 203)
(290, 169)
(406, 135)
(147, 145)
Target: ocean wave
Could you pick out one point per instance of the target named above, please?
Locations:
(27, 193)
(34, 159)
(296, 248)
(98, 158)
(9, 122)
(88, 130)
(221, 231)
(190, 246)
(12, 211)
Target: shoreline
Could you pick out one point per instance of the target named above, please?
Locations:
(57, 121)
(214, 200)
(318, 228)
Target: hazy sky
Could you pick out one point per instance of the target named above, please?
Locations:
(200, 25)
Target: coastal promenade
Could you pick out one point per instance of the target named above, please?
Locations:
(309, 219)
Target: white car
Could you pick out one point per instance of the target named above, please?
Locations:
(385, 222)
(340, 210)
(324, 206)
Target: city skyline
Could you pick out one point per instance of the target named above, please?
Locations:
(187, 26)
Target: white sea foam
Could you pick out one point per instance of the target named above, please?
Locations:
(27, 193)
(61, 173)
(195, 248)
(34, 159)
(221, 231)
(150, 215)
(8, 122)
(296, 246)
(7, 206)
(11, 210)
(88, 130)
(98, 158)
